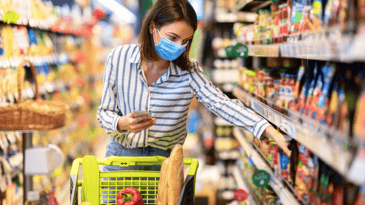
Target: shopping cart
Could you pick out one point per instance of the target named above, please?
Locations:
(101, 188)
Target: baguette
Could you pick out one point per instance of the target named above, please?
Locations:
(162, 184)
(175, 175)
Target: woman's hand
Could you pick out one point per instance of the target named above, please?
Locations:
(134, 124)
(272, 133)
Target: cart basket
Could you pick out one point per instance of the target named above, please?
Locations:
(101, 188)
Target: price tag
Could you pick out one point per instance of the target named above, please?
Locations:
(240, 51)
(261, 178)
(240, 195)
(257, 107)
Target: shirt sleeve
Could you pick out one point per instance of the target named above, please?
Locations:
(108, 112)
(231, 110)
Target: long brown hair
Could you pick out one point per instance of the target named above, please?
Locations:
(162, 13)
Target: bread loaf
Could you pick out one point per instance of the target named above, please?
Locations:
(162, 184)
(175, 175)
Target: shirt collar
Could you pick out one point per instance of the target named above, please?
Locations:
(136, 56)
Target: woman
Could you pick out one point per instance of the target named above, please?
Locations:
(157, 76)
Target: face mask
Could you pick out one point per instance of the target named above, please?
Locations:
(169, 50)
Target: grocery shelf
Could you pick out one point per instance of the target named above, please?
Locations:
(314, 46)
(34, 24)
(251, 5)
(271, 50)
(316, 137)
(224, 76)
(278, 186)
(247, 17)
(220, 122)
(229, 155)
(242, 184)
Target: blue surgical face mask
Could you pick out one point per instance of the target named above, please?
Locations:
(169, 50)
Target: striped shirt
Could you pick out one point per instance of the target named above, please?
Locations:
(168, 99)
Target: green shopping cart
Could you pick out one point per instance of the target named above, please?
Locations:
(101, 188)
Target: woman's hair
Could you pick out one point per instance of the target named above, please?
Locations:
(162, 13)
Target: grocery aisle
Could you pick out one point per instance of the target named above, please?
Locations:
(298, 64)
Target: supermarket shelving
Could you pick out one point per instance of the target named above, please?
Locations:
(235, 17)
(327, 45)
(34, 24)
(242, 184)
(251, 5)
(224, 76)
(326, 143)
(278, 186)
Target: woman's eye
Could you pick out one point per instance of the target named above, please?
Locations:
(173, 38)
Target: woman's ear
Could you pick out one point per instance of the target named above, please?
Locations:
(152, 27)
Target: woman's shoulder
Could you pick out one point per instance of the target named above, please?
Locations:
(124, 49)
(194, 66)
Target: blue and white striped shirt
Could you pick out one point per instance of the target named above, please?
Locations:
(168, 99)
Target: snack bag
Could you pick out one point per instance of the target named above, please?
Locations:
(302, 172)
(320, 104)
(296, 91)
(290, 90)
(326, 186)
(311, 88)
(338, 198)
(307, 82)
(359, 123)
(284, 165)
(337, 97)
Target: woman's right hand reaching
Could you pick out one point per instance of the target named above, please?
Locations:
(134, 124)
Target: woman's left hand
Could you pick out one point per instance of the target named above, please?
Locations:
(272, 133)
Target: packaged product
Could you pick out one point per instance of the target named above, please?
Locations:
(324, 98)
(296, 15)
(351, 193)
(297, 86)
(282, 93)
(317, 91)
(325, 193)
(290, 91)
(302, 172)
(359, 122)
(361, 196)
(284, 166)
(317, 15)
(307, 83)
(314, 78)
(313, 177)
(284, 16)
(270, 90)
(276, 163)
(353, 82)
(339, 190)
(276, 90)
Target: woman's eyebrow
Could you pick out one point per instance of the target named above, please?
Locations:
(180, 37)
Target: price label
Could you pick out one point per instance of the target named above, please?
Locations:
(261, 178)
(240, 195)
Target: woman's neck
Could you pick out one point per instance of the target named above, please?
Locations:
(157, 65)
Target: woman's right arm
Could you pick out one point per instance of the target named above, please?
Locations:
(109, 115)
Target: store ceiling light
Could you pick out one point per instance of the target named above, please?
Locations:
(119, 10)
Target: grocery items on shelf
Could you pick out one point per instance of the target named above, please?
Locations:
(317, 90)
(312, 180)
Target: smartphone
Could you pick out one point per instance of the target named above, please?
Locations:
(142, 113)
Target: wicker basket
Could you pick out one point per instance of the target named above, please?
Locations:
(30, 114)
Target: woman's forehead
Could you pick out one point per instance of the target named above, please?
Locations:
(180, 28)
